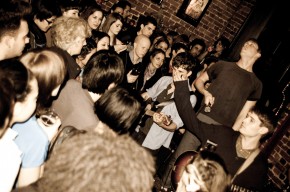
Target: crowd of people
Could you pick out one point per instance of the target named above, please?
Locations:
(118, 94)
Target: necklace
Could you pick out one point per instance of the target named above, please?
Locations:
(243, 153)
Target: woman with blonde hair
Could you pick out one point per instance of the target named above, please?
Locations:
(33, 136)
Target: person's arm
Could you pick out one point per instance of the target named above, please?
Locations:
(29, 175)
(200, 85)
(242, 115)
(183, 105)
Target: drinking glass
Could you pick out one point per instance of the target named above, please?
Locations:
(48, 117)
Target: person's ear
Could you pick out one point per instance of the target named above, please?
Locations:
(263, 130)
(142, 26)
(189, 73)
(112, 85)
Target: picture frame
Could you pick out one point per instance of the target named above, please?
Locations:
(192, 11)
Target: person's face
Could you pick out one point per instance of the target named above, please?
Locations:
(45, 24)
(158, 60)
(77, 45)
(72, 13)
(119, 10)
(251, 126)
(249, 49)
(116, 27)
(87, 57)
(24, 110)
(126, 12)
(20, 39)
(103, 44)
(163, 46)
(95, 19)
(181, 71)
(148, 29)
(141, 48)
(195, 51)
(219, 47)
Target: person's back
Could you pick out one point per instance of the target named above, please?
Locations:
(75, 104)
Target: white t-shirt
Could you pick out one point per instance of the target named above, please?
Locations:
(10, 160)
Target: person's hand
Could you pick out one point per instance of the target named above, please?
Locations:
(208, 98)
(131, 78)
(178, 75)
(120, 48)
(157, 118)
(50, 130)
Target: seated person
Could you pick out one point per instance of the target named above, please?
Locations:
(75, 103)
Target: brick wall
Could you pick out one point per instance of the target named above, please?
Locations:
(223, 17)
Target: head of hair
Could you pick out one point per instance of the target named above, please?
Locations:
(210, 171)
(156, 51)
(89, 10)
(103, 68)
(19, 75)
(111, 18)
(11, 14)
(124, 3)
(44, 9)
(184, 60)
(197, 41)
(49, 69)
(116, 5)
(88, 47)
(145, 21)
(66, 5)
(172, 34)
(182, 38)
(177, 46)
(266, 116)
(160, 40)
(256, 42)
(98, 35)
(7, 98)
(98, 163)
(65, 31)
(118, 109)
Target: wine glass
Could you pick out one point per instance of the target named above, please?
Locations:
(48, 117)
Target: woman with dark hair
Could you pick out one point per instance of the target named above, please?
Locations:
(112, 26)
(102, 39)
(33, 136)
(24, 94)
(151, 71)
(93, 14)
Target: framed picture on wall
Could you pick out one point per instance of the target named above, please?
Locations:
(192, 11)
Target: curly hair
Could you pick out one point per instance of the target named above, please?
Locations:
(65, 30)
(93, 162)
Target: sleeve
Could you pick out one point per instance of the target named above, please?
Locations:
(184, 107)
(153, 92)
(257, 91)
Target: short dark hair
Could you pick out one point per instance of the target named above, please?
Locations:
(118, 109)
(184, 60)
(266, 116)
(103, 68)
(44, 9)
(197, 41)
(11, 14)
(66, 5)
(177, 46)
(19, 76)
(145, 20)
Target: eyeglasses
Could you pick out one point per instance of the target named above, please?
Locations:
(49, 22)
